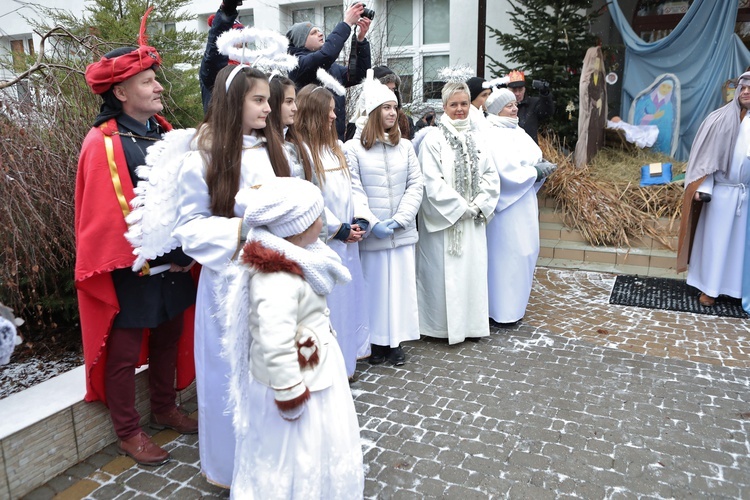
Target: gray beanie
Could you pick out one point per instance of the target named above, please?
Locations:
(498, 99)
(297, 34)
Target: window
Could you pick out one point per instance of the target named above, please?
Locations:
(418, 37)
(436, 23)
(246, 19)
(302, 15)
(170, 27)
(404, 68)
(399, 22)
(331, 17)
(430, 67)
(19, 53)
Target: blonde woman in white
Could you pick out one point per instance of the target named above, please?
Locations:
(460, 194)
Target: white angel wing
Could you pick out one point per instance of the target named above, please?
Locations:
(330, 82)
(233, 292)
(154, 208)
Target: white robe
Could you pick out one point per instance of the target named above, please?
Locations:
(213, 241)
(346, 302)
(717, 254)
(513, 234)
(452, 289)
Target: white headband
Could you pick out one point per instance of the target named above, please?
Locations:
(234, 72)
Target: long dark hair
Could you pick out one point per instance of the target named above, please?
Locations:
(279, 86)
(220, 138)
(313, 106)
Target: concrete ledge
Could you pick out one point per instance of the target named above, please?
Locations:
(48, 428)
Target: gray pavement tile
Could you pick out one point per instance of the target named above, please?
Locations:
(547, 409)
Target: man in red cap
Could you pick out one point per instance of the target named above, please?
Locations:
(531, 110)
(116, 304)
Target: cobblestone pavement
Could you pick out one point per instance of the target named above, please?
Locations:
(581, 400)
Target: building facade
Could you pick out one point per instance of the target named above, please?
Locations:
(414, 37)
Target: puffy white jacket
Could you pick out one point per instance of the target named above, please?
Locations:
(392, 184)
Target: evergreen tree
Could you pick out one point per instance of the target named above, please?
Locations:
(549, 43)
(109, 24)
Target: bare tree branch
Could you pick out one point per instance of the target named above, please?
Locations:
(39, 65)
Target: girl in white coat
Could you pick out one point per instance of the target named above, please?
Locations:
(316, 124)
(296, 426)
(233, 150)
(389, 172)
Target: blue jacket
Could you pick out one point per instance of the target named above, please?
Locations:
(325, 58)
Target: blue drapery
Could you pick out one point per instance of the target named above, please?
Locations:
(702, 51)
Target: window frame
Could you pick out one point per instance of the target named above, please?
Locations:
(417, 51)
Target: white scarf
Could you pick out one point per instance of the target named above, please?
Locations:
(466, 175)
(503, 121)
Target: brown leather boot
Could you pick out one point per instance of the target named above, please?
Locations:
(174, 419)
(144, 451)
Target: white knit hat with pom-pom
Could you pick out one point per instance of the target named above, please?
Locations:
(285, 205)
(374, 93)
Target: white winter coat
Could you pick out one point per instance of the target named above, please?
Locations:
(392, 184)
(289, 321)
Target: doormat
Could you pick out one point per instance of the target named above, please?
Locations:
(670, 294)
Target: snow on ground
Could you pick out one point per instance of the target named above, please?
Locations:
(15, 377)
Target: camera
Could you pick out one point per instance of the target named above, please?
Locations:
(540, 85)
(368, 13)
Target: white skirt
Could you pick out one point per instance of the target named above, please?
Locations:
(318, 456)
(346, 303)
(391, 293)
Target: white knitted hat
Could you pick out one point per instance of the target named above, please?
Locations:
(498, 100)
(374, 93)
(285, 205)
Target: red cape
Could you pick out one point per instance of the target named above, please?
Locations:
(100, 248)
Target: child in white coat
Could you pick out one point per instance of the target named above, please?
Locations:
(295, 423)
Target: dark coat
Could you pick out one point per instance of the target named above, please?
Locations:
(148, 301)
(213, 61)
(534, 110)
(325, 57)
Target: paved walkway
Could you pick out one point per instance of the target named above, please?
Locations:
(581, 400)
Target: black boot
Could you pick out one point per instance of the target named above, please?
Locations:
(397, 356)
(379, 353)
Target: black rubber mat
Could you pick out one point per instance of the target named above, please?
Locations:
(670, 294)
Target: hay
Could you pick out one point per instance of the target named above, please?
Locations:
(605, 203)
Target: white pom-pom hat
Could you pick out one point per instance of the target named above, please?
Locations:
(374, 93)
(285, 205)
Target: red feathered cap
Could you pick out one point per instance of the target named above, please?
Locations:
(101, 75)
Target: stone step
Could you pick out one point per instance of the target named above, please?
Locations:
(564, 247)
